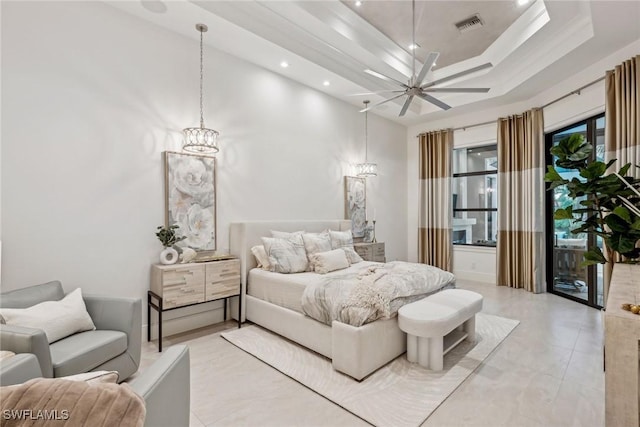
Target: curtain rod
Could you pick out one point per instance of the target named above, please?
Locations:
(573, 92)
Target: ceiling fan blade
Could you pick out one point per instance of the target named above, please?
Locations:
(382, 102)
(405, 107)
(383, 77)
(456, 75)
(457, 89)
(428, 63)
(434, 101)
(376, 93)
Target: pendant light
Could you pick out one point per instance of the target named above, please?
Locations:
(200, 139)
(366, 169)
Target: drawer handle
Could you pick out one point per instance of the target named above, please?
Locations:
(188, 291)
(175, 283)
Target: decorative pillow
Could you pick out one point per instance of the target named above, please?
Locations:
(314, 243)
(326, 262)
(286, 255)
(95, 377)
(262, 258)
(344, 240)
(352, 255)
(285, 234)
(58, 319)
(4, 354)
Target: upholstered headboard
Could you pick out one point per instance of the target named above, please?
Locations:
(244, 235)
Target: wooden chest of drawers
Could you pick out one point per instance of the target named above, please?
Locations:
(371, 251)
(184, 284)
(181, 285)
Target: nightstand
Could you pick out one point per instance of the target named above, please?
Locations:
(182, 285)
(371, 251)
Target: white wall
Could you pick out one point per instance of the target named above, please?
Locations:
(93, 96)
(480, 263)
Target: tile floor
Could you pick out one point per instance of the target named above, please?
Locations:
(548, 372)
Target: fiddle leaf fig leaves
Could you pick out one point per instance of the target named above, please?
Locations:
(594, 256)
(606, 205)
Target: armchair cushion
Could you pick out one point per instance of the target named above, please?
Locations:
(86, 351)
(58, 319)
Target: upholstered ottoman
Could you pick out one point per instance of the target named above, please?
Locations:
(437, 323)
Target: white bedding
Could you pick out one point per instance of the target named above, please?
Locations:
(285, 290)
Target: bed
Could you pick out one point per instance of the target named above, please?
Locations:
(271, 300)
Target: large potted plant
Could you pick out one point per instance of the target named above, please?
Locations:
(609, 204)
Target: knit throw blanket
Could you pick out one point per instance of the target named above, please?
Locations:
(375, 292)
(63, 403)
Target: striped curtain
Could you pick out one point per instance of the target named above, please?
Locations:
(521, 260)
(622, 124)
(436, 206)
(622, 113)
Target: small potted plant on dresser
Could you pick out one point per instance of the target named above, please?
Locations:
(168, 238)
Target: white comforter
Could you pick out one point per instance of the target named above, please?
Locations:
(374, 292)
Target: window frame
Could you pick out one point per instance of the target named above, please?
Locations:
(468, 174)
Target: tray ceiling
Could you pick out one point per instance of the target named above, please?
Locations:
(531, 46)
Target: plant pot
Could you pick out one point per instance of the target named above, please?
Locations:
(168, 256)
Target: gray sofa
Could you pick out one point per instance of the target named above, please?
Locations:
(113, 346)
(164, 385)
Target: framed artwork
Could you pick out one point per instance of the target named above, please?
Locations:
(190, 198)
(355, 204)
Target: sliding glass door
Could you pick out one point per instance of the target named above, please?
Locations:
(565, 274)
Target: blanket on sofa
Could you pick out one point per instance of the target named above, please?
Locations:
(375, 292)
(57, 402)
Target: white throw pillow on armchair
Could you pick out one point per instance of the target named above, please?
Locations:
(58, 319)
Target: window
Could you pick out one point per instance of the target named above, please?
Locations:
(565, 250)
(475, 196)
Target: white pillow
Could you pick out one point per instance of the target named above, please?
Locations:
(314, 243)
(326, 262)
(94, 377)
(58, 319)
(286, 255)
(344, 240)
(262, 258)
(6, 355)
(285, 234)
(352, 255)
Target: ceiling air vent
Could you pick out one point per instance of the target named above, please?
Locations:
(472, 23)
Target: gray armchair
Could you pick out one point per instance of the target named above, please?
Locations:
(164, 386)
(114, 345)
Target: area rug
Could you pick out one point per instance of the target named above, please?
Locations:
(398, 394)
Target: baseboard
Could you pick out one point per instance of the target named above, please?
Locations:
(476, 276)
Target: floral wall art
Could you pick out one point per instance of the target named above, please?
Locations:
(355, 204)
(190, 198)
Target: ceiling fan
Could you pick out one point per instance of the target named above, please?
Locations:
(415, 87)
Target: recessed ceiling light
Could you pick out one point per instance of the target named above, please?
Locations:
(284, 64)
(326, 83)
(358, 3)
(522, 2)
(155, 6)
(413, 46)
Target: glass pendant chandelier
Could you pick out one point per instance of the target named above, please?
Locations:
(200, 139)
(366, 169)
